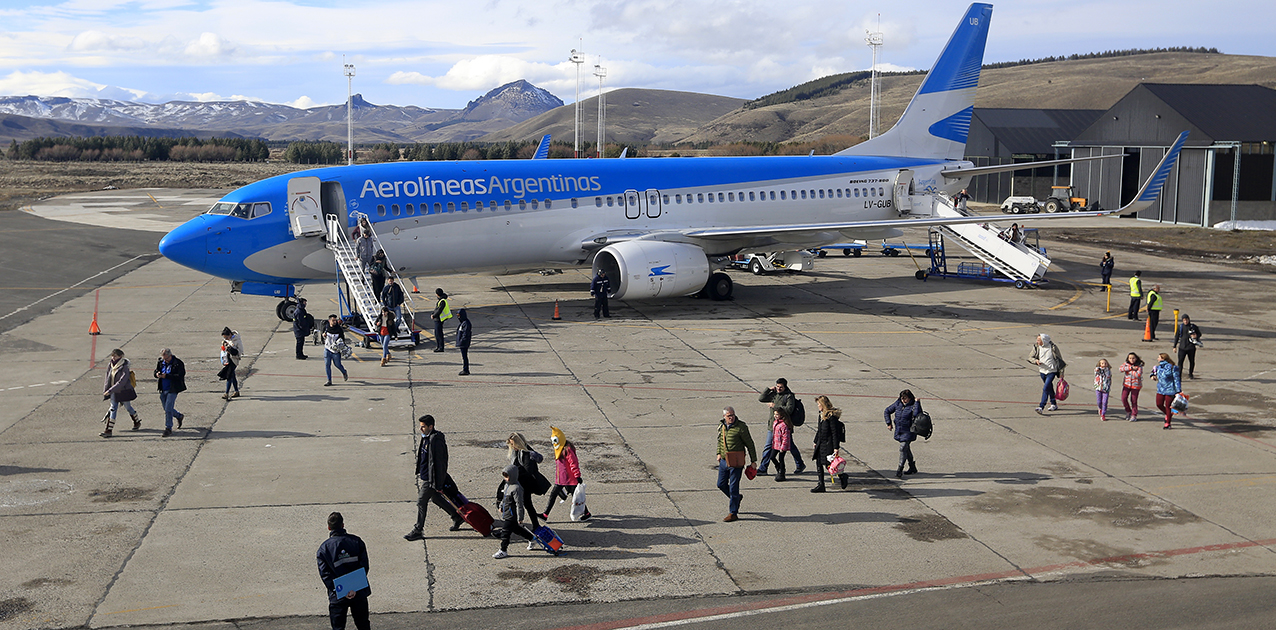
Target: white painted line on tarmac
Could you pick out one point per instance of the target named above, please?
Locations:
(19, 310)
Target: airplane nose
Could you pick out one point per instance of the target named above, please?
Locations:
(187, 245)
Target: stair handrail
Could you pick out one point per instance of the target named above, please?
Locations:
(339, 242)
(409, 308)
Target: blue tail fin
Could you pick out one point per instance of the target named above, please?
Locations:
(937, 120)
(542, 149)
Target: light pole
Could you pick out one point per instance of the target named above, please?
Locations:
(601, 73)
(577, 58)
(349, 72)
(874, 40)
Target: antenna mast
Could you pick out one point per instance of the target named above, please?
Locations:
(577, 58)
(601, 73)
(349, 72)
(874, 41)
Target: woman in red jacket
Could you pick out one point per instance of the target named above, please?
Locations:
(567, 475)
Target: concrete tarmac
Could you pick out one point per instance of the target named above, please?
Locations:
(220, 521)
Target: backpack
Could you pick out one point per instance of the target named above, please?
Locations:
(923, 426)
(839, 431)
(799, 413)
(132, 379)
(307, 323)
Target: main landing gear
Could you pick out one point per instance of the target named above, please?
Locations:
(718, 288)
(286, 310)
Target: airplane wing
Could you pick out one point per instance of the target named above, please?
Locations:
(970, 171)
(1147, 196)
(542, 149)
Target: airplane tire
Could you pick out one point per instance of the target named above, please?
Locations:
(756, 267)
(285, 310)
(719, 287)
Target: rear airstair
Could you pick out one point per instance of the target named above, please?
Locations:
(359, 297)
(1018, 262)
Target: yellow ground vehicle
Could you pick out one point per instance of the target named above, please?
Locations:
(1062, 200)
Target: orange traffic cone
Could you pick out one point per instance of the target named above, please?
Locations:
(556, 317)
(93, 329)
(1147, 330)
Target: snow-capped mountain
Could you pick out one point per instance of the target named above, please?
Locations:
(500, 108)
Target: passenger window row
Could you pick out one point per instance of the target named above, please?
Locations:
(765, 195)
(409, 210)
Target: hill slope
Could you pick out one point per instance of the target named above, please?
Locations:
(1079, 84)
(638, 116)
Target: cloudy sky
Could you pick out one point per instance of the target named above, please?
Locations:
(446, 53)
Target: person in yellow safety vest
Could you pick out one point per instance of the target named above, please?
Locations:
(1154, 308)
(442, 313)
(1136, 295)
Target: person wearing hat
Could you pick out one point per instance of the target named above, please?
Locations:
(303, 323)
(464, 332)
(733, 441)
(340, 554)
(599, 288)
(232, 353)
(568, 474)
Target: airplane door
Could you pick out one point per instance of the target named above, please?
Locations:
(633, 203)
(653, 203)
(305, 207)
(903, 190)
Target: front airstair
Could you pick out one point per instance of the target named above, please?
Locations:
(359, 297)
(1017, 261)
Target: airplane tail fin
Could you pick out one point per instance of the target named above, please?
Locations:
(542, 149)
(937, 121)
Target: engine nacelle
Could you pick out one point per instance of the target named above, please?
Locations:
(648, 269)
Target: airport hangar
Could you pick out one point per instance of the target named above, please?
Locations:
(1228, 160)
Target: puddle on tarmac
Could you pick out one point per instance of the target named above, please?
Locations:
(1119, 509)
(929, 528)
(575, 578)
(120, 495)
(1096, 552)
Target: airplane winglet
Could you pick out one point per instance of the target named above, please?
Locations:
(542, 149)
(1153, 186)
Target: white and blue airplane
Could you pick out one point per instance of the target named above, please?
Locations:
(659, 227)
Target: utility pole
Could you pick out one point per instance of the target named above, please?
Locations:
(577, 58)
(874, 40)
(349, 72)
(601, 73)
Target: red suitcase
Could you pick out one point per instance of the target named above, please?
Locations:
(476, 515)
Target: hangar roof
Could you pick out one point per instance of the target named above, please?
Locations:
(1034, 131)
(1223, 112)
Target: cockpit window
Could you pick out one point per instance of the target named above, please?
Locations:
(241, 210)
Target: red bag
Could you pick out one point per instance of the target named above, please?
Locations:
(1061, 389)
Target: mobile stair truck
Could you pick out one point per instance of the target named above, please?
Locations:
(1001, 260)
(358, 306)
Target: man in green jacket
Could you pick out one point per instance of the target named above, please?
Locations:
(733, 441)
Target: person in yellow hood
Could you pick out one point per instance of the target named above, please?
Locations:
(568, 474)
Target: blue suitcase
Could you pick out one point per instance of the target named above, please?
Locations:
(548, 539)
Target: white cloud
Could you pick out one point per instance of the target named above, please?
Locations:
(486, 72)
(88, 41)
(209, 45)
(305, 102)
(62, 84)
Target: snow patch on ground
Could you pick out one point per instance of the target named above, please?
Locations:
(1245, 225)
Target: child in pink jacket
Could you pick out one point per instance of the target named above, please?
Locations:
(781, 440)
(567, 475)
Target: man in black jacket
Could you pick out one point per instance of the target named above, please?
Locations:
(1185, 342)
(464, 332)
(302, 325)
(171, 374)
(340, 554)
(392, 298)
(599, 288)
(431, 471)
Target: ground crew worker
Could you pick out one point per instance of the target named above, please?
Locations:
(599, 288)
(1136, 295)
(1154, 308)
(342, 553)
(442, 313)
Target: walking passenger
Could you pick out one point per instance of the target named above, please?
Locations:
(1186, 341)
(341, 554)
(1102, 385)
(171, 374)
(733, 441)
(1132, 383)
(232, 353)
(365, 246)
(392, 298)
(905, 409)
(1050, 364)
(432, 476)
(442, 313)
(334, 338)
(781, 440)
(1169, 382)
(566, 473)
(377, 272)
(780, 397)
(828, 438)
(385, 323)
(464, 332)
(1136, 295)
(1105, 267)
(119, 390)
(512, 507)
(526, 458)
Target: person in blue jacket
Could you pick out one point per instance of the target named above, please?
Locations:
(1169, 382)
(904, 410)
(340, 554)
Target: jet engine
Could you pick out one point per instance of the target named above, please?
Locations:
(648, 269)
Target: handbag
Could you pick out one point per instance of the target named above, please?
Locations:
(735, 459)
(126, 394)
(1180, 403)
(578, 502)
(1061, 389)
